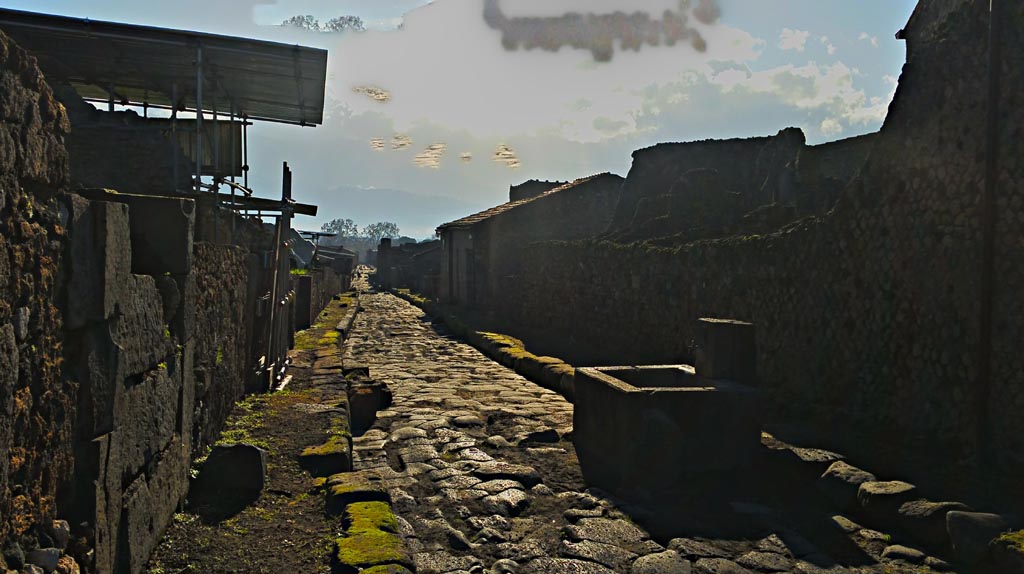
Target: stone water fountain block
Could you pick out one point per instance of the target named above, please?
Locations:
(726, 349)
(648, 428)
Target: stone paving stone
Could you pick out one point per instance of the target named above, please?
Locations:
(606, 530)
(668, 562)
(613, 557)
(564, 566)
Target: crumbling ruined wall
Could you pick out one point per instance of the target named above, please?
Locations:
(868, 316)
(681, 192)
(36, 403)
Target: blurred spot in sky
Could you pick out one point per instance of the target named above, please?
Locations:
(431, 157)
(600, 33)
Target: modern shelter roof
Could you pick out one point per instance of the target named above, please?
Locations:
(141, 64)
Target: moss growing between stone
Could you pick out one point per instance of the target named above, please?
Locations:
(247, 418)
(1014, 540)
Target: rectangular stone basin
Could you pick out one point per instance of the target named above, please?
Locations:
(648, 428)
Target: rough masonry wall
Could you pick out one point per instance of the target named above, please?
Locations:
(36, 403)
(120, 150)
(584, 210)
(1006, 399)
(868, 316)
(223, 336)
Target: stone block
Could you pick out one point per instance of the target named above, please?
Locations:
(150, 502)
(350, 487)
(880, 501)
(233, 470)
(148, 418)
(971, 534)
(162, 231)
(925, 521)
(139, 333)
(365, 398)
(647, 428)
(332, 457)
(106, 495)
(305, 311)
(139, 525)
(726, 349)
(841, 482)
(45, 558)
(100, 255)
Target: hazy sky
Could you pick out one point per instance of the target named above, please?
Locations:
(826, 66)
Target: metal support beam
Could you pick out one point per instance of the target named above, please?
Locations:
(174, 134)
(988, 228)
(199, 117)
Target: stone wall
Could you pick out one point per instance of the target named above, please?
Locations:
(129, 331)
(313, 291)
(482, 253)
(36, 402)
(101, 144)
(223, 336)
(681, 192)
(867, 316)
(583, 210)
(415, 266)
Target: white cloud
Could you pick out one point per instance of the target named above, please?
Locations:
(791, 39)
(829, 46)
(830, 127)
(865, 37)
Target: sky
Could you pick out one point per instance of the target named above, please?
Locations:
(431, 114)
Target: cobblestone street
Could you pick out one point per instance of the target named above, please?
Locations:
(484, 478)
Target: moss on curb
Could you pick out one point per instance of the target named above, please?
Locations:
(368, 548)
(348, 488)
(387, 569)
(322, 333)
(549, 372)
(366, 516)
(337, 444)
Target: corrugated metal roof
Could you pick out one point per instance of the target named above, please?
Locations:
(471, 220)
(262, 80)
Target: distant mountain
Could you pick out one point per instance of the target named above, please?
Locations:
(417, 215)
